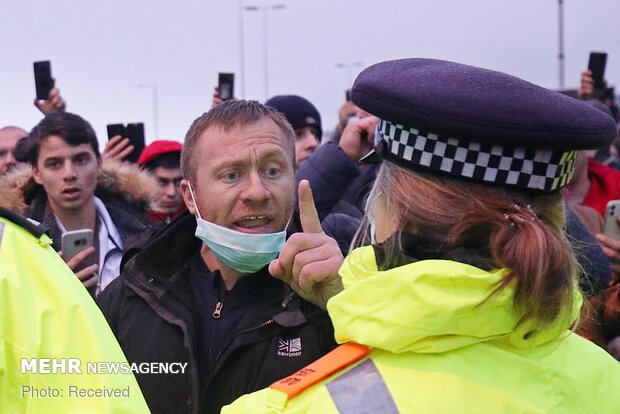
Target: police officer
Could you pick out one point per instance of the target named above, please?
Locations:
(466, 300)
(49, 322)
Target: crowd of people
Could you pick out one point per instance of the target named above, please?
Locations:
(443, 247)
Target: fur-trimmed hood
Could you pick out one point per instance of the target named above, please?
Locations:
(122, 180)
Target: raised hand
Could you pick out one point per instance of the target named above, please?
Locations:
(117, 149)
(309, 261)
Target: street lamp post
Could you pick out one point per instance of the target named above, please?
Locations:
(265, 10)
(241, 51)
(153, 88)
(561, 42)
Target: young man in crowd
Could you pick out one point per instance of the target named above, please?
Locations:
(67, 188)
(162, 159)
(202, 292)
(305, 120)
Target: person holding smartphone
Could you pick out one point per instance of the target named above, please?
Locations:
(68, 188)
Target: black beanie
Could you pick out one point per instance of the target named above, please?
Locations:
(298, 111)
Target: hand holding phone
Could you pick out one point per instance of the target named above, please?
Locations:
(77, 251)
(73, 242)
(596, 65)
(124, 149)
(43, 79)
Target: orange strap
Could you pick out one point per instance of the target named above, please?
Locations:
(344, 355)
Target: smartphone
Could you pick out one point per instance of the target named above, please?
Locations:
(612, 212)
(135, 133)
(226, 82)
(348, 95)
(596, 64)
(114, 130)
(43, 79)
(74, 241)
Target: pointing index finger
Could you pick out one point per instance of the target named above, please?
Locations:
(308, 215)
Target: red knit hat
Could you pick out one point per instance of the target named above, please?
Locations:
(156, 148)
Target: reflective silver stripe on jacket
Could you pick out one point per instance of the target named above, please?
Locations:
(361, 390)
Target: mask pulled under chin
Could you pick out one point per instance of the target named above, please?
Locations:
(246, 253)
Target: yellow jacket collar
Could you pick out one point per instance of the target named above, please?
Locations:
(431, 306)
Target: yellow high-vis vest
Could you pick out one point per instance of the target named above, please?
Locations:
(56, 348)
(432, 340)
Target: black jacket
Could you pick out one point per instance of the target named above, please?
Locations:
(151, 309)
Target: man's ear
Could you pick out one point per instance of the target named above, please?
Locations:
(187, 197)
(36, 175)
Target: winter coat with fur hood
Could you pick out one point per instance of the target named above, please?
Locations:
(125, 191)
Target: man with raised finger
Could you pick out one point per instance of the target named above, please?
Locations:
(202, 293)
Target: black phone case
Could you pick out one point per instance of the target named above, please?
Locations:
(226, 82)
(596, 65)
(114, 130)
(43, 79)
(135, 133)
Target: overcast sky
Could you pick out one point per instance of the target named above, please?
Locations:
(100, 51)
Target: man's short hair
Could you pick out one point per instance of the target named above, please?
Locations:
(166, 160)
(226, 116)
(72, 128)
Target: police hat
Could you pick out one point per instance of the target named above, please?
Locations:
(477, 124)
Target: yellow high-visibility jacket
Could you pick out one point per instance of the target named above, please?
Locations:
(49, 323)
(439, 344)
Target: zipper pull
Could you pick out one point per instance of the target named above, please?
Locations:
(218, 310)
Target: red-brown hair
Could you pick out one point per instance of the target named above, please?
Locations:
(530, 243)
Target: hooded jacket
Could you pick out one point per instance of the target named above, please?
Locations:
(125, 191)
(441, 343)
(151, 310)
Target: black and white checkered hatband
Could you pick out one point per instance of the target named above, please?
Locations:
(544, 170)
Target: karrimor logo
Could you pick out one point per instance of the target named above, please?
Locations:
(289, 347)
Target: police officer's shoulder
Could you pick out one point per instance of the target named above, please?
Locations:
(32, 226)
(330, 363)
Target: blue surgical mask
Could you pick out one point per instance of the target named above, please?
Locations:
(246, 253)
